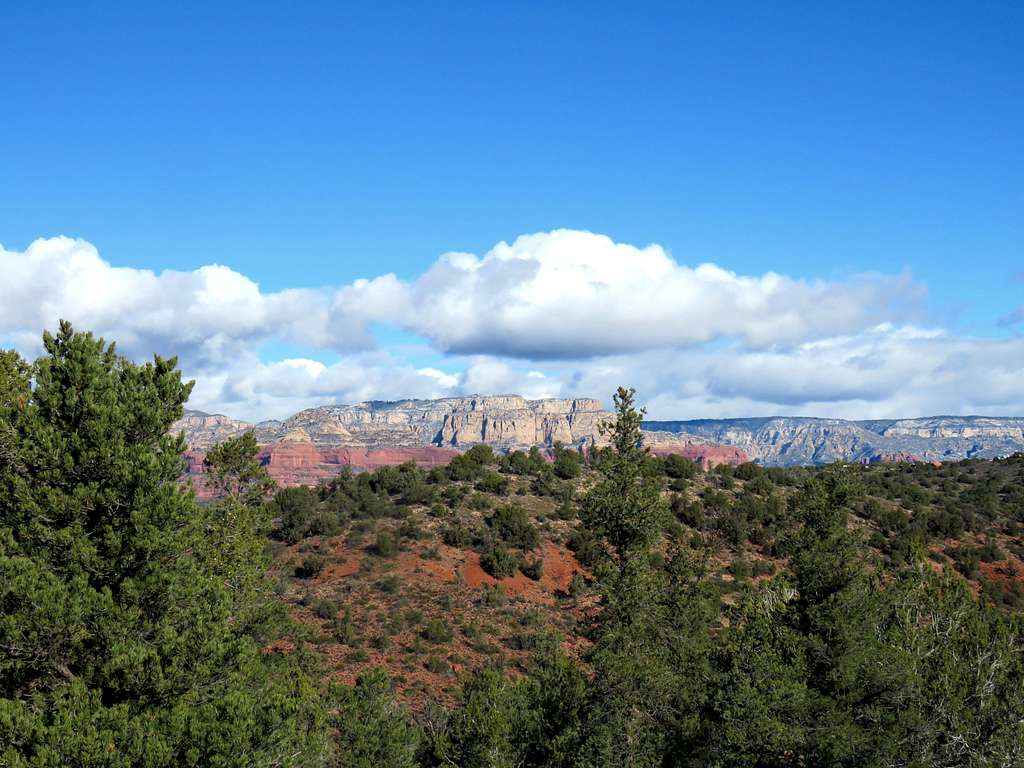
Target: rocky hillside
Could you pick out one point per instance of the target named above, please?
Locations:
(291, 463)
(508, 422)
(317, 443)
(502, 421)
(505, 422)
(787, 441)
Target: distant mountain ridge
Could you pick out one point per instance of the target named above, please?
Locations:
(791, 440)
(317, 443)
(507, 422)
(503, 421)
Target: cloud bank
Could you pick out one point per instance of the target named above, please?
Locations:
(551, 314)
(571, 294)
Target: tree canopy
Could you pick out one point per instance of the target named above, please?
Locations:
(132, 619)
(138, 626)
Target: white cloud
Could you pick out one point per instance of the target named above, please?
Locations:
(553, 314)
(570, 295)
(254, 390)
(207, 316)
(563, 294)
(883, 372)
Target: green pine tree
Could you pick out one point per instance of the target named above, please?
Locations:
(651, 636)
(132, 619)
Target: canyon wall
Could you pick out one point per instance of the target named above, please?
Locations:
(508, 422)
(786, 441)
(317, 443)
(503, 421)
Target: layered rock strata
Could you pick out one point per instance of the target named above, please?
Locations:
(786, 441)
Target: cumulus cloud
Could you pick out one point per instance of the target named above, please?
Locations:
(255, 391)
(571, 294)
(206, 316)
(553, 314)
(883, 372)
(563, 294)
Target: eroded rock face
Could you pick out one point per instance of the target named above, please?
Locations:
(900, 457)
(785, 441)
(302, 463)
(317, 443)
(204, 430)
(503, 421)
(705, 455)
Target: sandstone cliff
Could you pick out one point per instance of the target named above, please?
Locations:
(317, 443)
(503, 421)
(784, 441)
(302, 463)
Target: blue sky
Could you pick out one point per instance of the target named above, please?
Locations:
(309, 147)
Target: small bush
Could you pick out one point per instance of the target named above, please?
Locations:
(740, 569)
(463, 468)
(345, 630)
(523, 641)
(586, 547)
(498, 562)
(511, 524)
(578, 585)
(386, 545)
(325, 610)
(437, 665)
(568, 464)
(437, 631)
(456, 536)
(492, 597)
(521, 463)
(311, 566)
(299, 514)
(534, 569)
(481, 455)
(492, 482)
(566, 510)
(410, 529)
(679, 467)
(479, 502)
(485, 647)
(673, 527)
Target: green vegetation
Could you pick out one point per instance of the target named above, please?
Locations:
(132, 618)
(568, 464)
(740, 617)
(512, 525)
(298, 514)
(499, 562)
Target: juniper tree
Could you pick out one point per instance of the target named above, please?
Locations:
(625, 507)
(651, 634)
(132, 619)
(839, 664)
